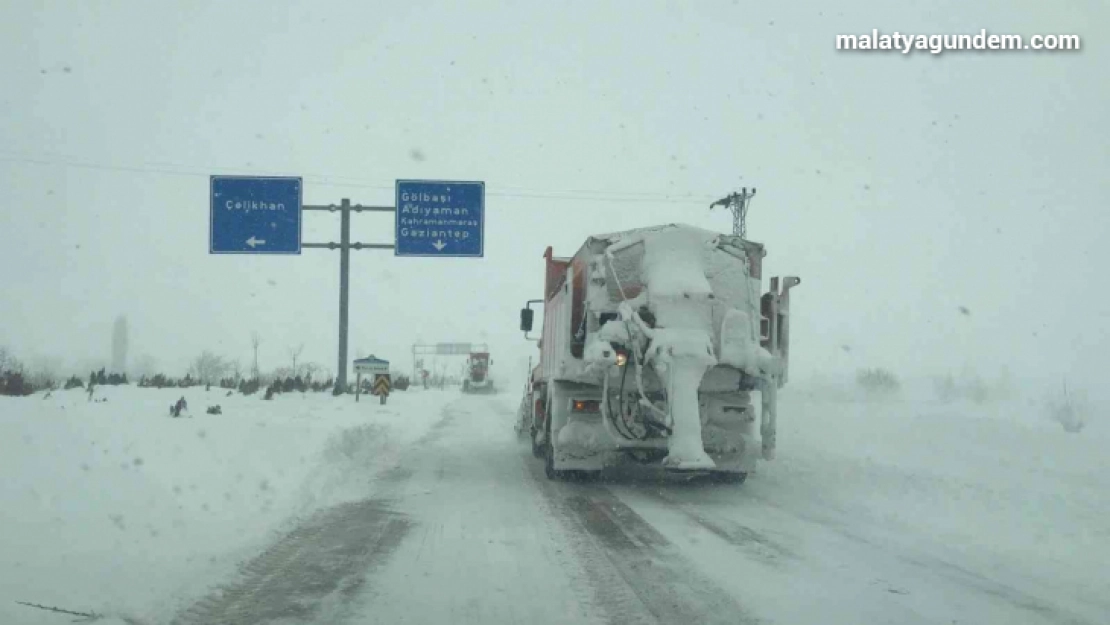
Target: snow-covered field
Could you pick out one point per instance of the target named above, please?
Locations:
(892, 511)
(116, 507)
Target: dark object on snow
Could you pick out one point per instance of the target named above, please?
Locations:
(228, 394)
(88, 615)
(176, 409)
(214, 409)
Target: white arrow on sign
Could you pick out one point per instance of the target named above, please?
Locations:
(439, 245)
(253, 241)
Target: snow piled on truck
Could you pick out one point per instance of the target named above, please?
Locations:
(682, 346)
(698, 287)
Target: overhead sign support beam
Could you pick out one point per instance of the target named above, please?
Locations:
(262, 215)
(345, 246)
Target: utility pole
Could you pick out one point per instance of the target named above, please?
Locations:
(345, 246)
(738, 203)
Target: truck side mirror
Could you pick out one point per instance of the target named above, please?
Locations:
(526, 319)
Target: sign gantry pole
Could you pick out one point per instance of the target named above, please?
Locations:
(345, 246)
(259, 215)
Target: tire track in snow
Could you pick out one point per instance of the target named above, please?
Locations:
(902, 563)
(635, 573)
(752, 542)
(319, 566)
(939, 567)
(322, 562)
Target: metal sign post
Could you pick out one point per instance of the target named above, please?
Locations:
(345, 246)
(262, 215)
(441, 349)
(371, 365)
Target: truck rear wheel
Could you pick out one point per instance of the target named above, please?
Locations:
(537, 450)
(549, 462)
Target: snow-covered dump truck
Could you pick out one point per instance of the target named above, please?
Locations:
(652, 341)
(477, 378)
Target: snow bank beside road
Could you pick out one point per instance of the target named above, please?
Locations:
(999, 483)
(115, 506)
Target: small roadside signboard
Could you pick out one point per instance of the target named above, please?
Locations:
(371, 365)
(377, 367)
(440, 218)
(255, 215)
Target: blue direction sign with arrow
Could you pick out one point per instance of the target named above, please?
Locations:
(440, 218)
(255, 215)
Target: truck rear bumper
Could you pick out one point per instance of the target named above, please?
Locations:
(588, 446)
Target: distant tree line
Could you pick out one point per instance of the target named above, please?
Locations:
(16, 381)
(100, 378)
(208, 369)
(297, 384)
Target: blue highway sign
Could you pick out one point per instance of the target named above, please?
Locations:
(255, 215)
(440, 218)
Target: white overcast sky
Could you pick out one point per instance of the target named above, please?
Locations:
(899, 188)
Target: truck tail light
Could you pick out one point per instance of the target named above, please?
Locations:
(586, 405)
(621, 352)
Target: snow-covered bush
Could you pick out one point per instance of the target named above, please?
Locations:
(1069, 412)
(249, 387)
(43, 381)
(878, 381)
(208, 367)
(158, 380)
(945, 388)
(12, 380)
(968, 387)
(12, 383)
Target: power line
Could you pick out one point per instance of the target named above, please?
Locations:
(175, 169)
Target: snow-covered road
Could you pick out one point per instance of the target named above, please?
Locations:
(464, 528)
(432, 511)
